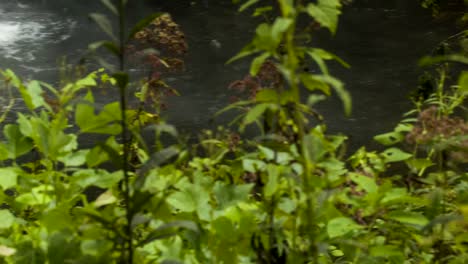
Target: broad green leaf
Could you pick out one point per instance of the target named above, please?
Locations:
(74, 159)
(390, 138)
(100, 178)
(395, 155)
(17, 144)
(272, 184)
(252, 165)
(57, 218)
(105, 199)
(230, 194)
(62, 247)
(280, 26)
(410, 218)
(420, 165)
(341, 226)
(366, 183)
(315, 148)
(95, 247)
(8, 177)
(463, 82)
(313, 84)
(385, 251)
(254, 114)
(35, 93)
(7, 219)
(191, 198)
(326, 12)
(258, 62)
(39, 195)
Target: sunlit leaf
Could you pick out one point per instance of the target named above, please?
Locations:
(326, 12)
(7, 219)
(341, 226)
(395, 155)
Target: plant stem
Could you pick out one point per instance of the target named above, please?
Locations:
(292, 66)
(123, 108)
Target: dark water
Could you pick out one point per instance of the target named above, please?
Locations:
(382, 40)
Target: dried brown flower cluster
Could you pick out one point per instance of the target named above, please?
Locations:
(164, 34)
(268, 77)
(161, 46)
(432, 128)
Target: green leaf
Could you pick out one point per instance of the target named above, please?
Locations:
(7, 219)
(8, 178)
(319, 55)
(326, 13)
(36, 94)
(105, 199)
(191, 198)
(425, 61)
(254, 114)
(410, 218)
(230, 194)
(280, 26)
(341, 226)
(247, 5)
(95, 247)
(57, 218)
(395, 155)
(366, 183)
(272, 184)
(463, 82)
(74, 159)
(246, 51)
(103, 22)
(419, 164)
(110, 6)
(100, 178)
(338, 86)
(17, 143)
(258, 62)
(313, 84)
(385, 251)
(143, 23)
(109, 45)
(252, 165)
(169, 229)
(390, 138)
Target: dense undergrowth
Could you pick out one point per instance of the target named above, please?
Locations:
(290, 195)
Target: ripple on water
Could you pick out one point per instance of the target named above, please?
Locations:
(23, 35)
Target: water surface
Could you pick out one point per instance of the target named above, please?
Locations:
(382, 40)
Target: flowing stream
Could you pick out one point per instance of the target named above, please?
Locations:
(382, 40)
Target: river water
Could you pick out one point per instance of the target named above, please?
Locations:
(382, 40)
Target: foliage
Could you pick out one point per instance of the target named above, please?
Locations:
(290, 195)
